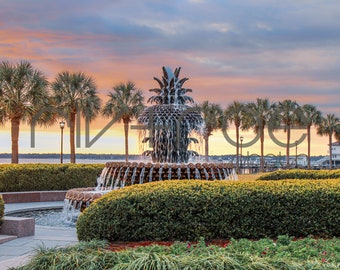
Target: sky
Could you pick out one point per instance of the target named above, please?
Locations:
(230, 51)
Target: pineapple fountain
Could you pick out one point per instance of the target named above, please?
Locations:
(170, 122)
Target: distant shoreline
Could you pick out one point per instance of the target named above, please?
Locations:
(54, 158)
(103, 156)
(67, 156)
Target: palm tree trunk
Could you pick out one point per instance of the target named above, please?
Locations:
(206, 147)
(288, 146)
(237, 147)
(72, 145)
(15, 123)
(308, 146)
(330, 151)
(262, 149)
(126, 133)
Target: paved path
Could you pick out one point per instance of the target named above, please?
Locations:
(18, 251)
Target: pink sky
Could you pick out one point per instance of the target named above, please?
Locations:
(229, 50)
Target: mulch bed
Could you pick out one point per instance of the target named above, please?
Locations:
(118, 246)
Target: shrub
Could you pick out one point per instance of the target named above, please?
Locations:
(2, 209)
(301, 174)
(186, 210)
(33, 177)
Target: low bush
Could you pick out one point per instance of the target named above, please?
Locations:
(2, 209)
(244, 254)
(301, 174)
(34, 177)
(186, 210)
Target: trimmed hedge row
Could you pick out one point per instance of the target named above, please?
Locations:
(187, 210)
(2, 209)
(35, 177)
(301, 174)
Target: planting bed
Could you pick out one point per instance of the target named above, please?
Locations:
(120, 245)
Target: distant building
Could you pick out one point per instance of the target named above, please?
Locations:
(324, 161)
(335, 154)
(298, 161)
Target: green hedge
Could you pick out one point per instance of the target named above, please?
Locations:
(33, 177)
(301, 174)
(186, 210)
(2, 209)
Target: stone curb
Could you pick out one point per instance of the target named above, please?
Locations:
(33, 196)
(17, 226)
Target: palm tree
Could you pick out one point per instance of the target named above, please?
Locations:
(310, 116)
(75, 93)
(289, 113)
(124, 104)
(329, 125)
(23, 93)
(234, 114)
(257, 115)
(212, 114)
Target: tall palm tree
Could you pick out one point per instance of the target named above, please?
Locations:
(234, 114)
(257, 115)
(310, 116)
(75, 93)
(125, 103)
(289, 112)
(212, 114)
(329, 126)
(23, 93)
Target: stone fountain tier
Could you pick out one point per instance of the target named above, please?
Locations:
(170, 126)
(117, 175)
(174, 112)
(80, 198)
(121, 174)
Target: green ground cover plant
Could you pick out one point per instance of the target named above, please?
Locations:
(282, 253)
(36, 177)
(187, 210)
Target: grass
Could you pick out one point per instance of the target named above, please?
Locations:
(283, 253)
(249, 177)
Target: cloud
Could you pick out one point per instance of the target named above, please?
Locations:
(229, 50)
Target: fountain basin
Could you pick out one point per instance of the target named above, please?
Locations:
(120, 174)
(117, 175)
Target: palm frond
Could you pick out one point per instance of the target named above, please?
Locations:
(76, 92)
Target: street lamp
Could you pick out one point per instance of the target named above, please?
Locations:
(62, 125)
(241, 140)
(296, 144)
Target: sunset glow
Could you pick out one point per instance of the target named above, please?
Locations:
(229, 50)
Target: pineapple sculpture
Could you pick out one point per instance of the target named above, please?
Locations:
(170, 120)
